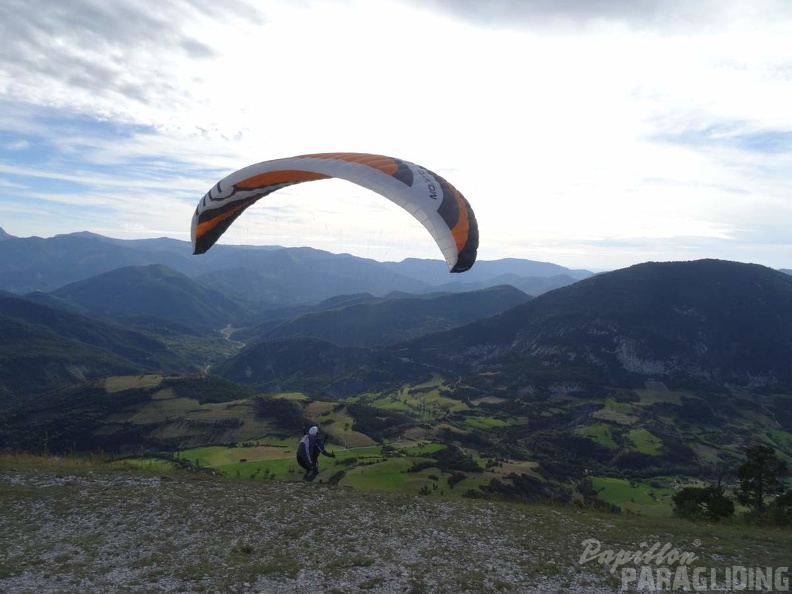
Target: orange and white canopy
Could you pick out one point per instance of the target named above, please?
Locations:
(433, 201)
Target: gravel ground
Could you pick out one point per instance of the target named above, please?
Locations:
(111, 533)
(86, 530)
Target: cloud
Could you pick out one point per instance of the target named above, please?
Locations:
(650, 122)
(5, 183)
(100, 57)
(665, 15)
(735, 136)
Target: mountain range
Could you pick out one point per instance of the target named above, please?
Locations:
(265, 276)
(654, 367)
(706, 324)
(701, 323)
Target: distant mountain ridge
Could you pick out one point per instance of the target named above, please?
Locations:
(488, 271)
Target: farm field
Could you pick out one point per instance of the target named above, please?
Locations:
(370, 468)
(436, 438)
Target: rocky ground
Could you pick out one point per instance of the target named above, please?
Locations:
(122, 532)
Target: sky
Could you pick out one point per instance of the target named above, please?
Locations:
(593, 134)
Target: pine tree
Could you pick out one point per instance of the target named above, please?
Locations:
(759, 476)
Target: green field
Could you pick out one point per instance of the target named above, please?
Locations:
(389, 475)
(372, 468)
(645, 442)
(601, 433)
(487, 422)
(392, 403)
(150, 464)
(338, 423)
(392, 476)
(425, 401)
(635, 496)
(423, 449)
(657, 392)
(616, 412)
(127, 382)
(219, 456)
(297, 396)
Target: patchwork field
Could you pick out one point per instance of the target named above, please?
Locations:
(371, 468)
(392, 442)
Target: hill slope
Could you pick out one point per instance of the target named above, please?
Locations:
(371, 321)
(153, 294)
(135, 413)
(33, 358)
(316, 366)
(133, 345)
(705, 323)
(44, 347)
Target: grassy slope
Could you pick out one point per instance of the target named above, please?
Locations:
(71, 526)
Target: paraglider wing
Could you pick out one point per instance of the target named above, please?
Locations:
(433, 201)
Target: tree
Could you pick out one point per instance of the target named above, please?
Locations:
(759, 476)
(709, 503)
